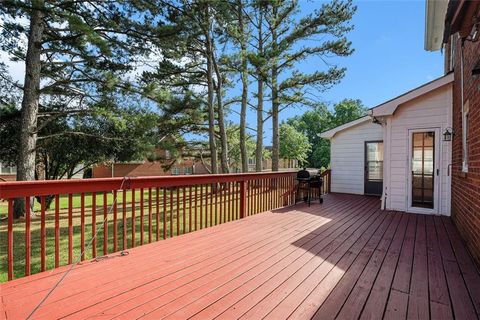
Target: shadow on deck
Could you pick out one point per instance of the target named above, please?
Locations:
(343, 259)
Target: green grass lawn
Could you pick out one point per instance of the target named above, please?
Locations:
(211, 215)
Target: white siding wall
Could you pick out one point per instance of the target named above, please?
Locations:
(348, 156)
(432, 110)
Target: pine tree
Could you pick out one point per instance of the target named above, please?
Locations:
(75, 52)
(290, 43)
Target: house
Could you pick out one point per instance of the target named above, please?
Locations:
(349, 143)
(456, 29)
(398, 152)
(420, 151)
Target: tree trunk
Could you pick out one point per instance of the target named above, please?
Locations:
(221, 116)
(210, 89)
(30, 102)
(275, 101)
(244, 76)
(275, 124)
(259, 146)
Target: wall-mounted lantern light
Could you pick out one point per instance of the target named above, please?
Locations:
(448, 134)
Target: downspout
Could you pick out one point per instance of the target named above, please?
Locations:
(462, 102)
(383, 125)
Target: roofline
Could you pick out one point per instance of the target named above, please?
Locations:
(388, 107)
(331, 132)
(435, 11)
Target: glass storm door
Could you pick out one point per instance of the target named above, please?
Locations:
(423, 169)
(373, 167)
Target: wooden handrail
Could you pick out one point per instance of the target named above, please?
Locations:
(14, 189)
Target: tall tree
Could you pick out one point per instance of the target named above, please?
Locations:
(242, 39)
(67, 144)
(294, 145)
(311, 124)
(320, 119)
(260, 64)
(347, 110)
(75, 50)
(219, 83)
(31, 94)
(234, 156)
(292, 40)
(210, 91)
(194, 64)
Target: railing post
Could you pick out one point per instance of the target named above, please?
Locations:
(243, 198)
(10, 240)
(329, 181)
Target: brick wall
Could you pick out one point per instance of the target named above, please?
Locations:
(466, 186)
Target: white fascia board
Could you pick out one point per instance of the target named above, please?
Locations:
(330, 133)
(435, 11)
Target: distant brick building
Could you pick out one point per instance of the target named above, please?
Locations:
(7, 173)
(462, 56)
(162, 167)
(184, 167)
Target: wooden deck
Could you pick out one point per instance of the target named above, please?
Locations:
(345, 259)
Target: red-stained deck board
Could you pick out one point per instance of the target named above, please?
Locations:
(171, 265)
(342, 259)
(216, 278)
(285, 298)
(377, 299)
(315, 299)
(299, 268)
(462, 257)
(207, 295)
(313, 271)
(352, 308)
(439, 299)
(162, 285)
(418, 306)
(396, 306)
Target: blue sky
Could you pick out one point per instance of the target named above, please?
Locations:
(389, 58)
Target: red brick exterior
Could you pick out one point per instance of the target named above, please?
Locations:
(466, 186)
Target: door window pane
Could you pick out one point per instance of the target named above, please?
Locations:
(374, 161)
(423, 169)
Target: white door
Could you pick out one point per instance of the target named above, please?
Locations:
(424, 171)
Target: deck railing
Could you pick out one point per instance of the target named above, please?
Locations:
(327, 180)
(88, 219)
(124, 213)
